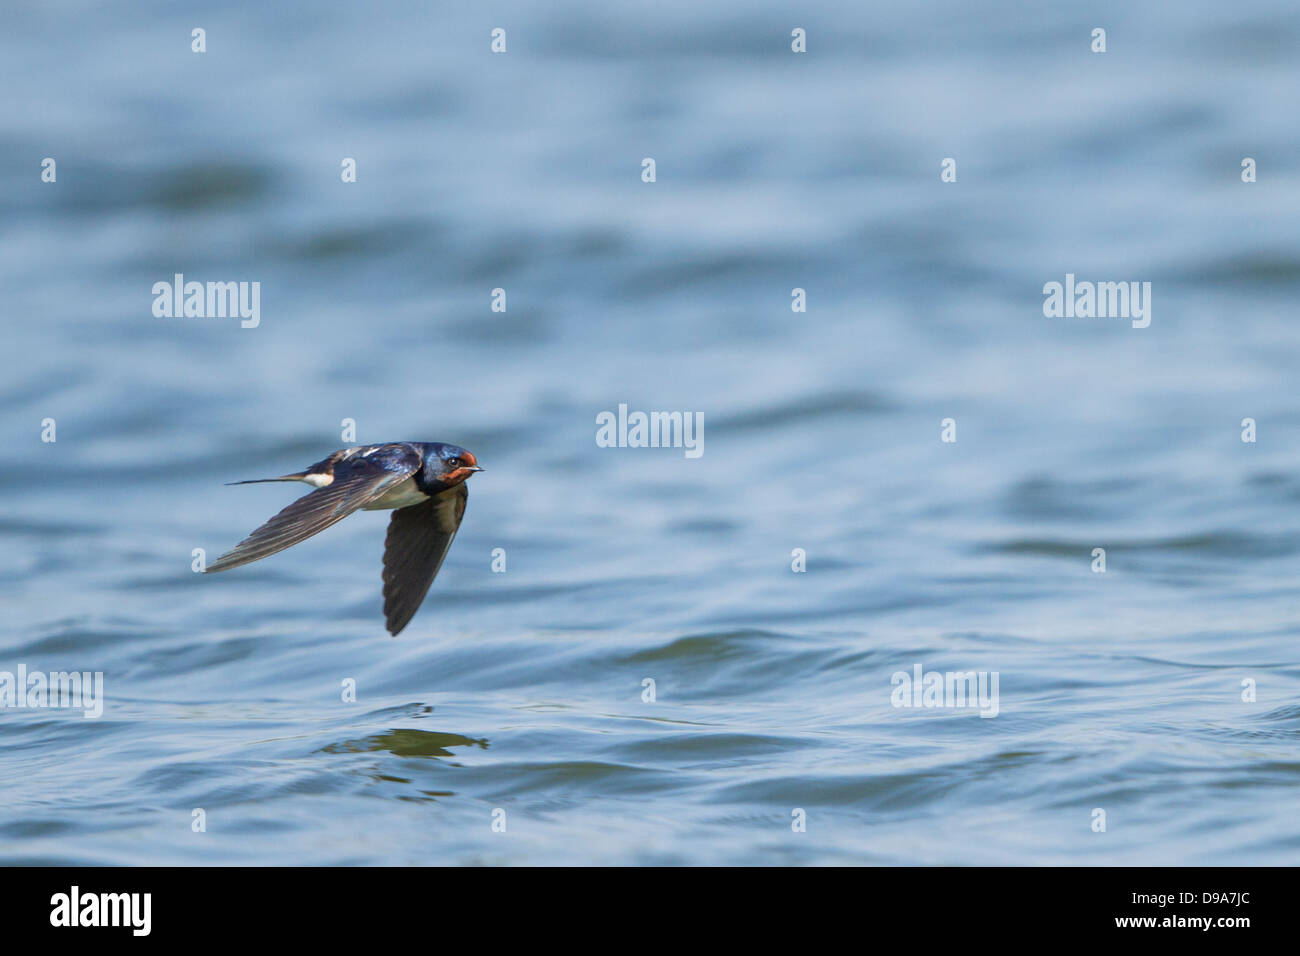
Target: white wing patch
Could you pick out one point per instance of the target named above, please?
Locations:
(401, 495)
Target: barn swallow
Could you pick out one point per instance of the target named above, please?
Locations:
(422, 482)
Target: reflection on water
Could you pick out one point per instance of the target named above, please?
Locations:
(407, 743)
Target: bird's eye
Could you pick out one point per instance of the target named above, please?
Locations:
(454, 462)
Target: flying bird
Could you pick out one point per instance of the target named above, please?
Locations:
(422, 482)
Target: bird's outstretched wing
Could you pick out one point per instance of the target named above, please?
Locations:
(357, 482)
(418, 539)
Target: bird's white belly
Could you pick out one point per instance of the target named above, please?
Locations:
(401, 495)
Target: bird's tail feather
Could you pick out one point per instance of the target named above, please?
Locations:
(257, 481)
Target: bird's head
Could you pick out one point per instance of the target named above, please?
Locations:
(449, 464)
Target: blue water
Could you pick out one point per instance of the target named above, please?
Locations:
(517, 696)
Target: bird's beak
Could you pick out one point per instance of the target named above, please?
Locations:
(477, 468)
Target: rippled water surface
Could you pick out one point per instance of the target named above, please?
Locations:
(522, 691)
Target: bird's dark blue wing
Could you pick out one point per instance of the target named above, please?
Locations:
(418, 539)
(357, 482)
